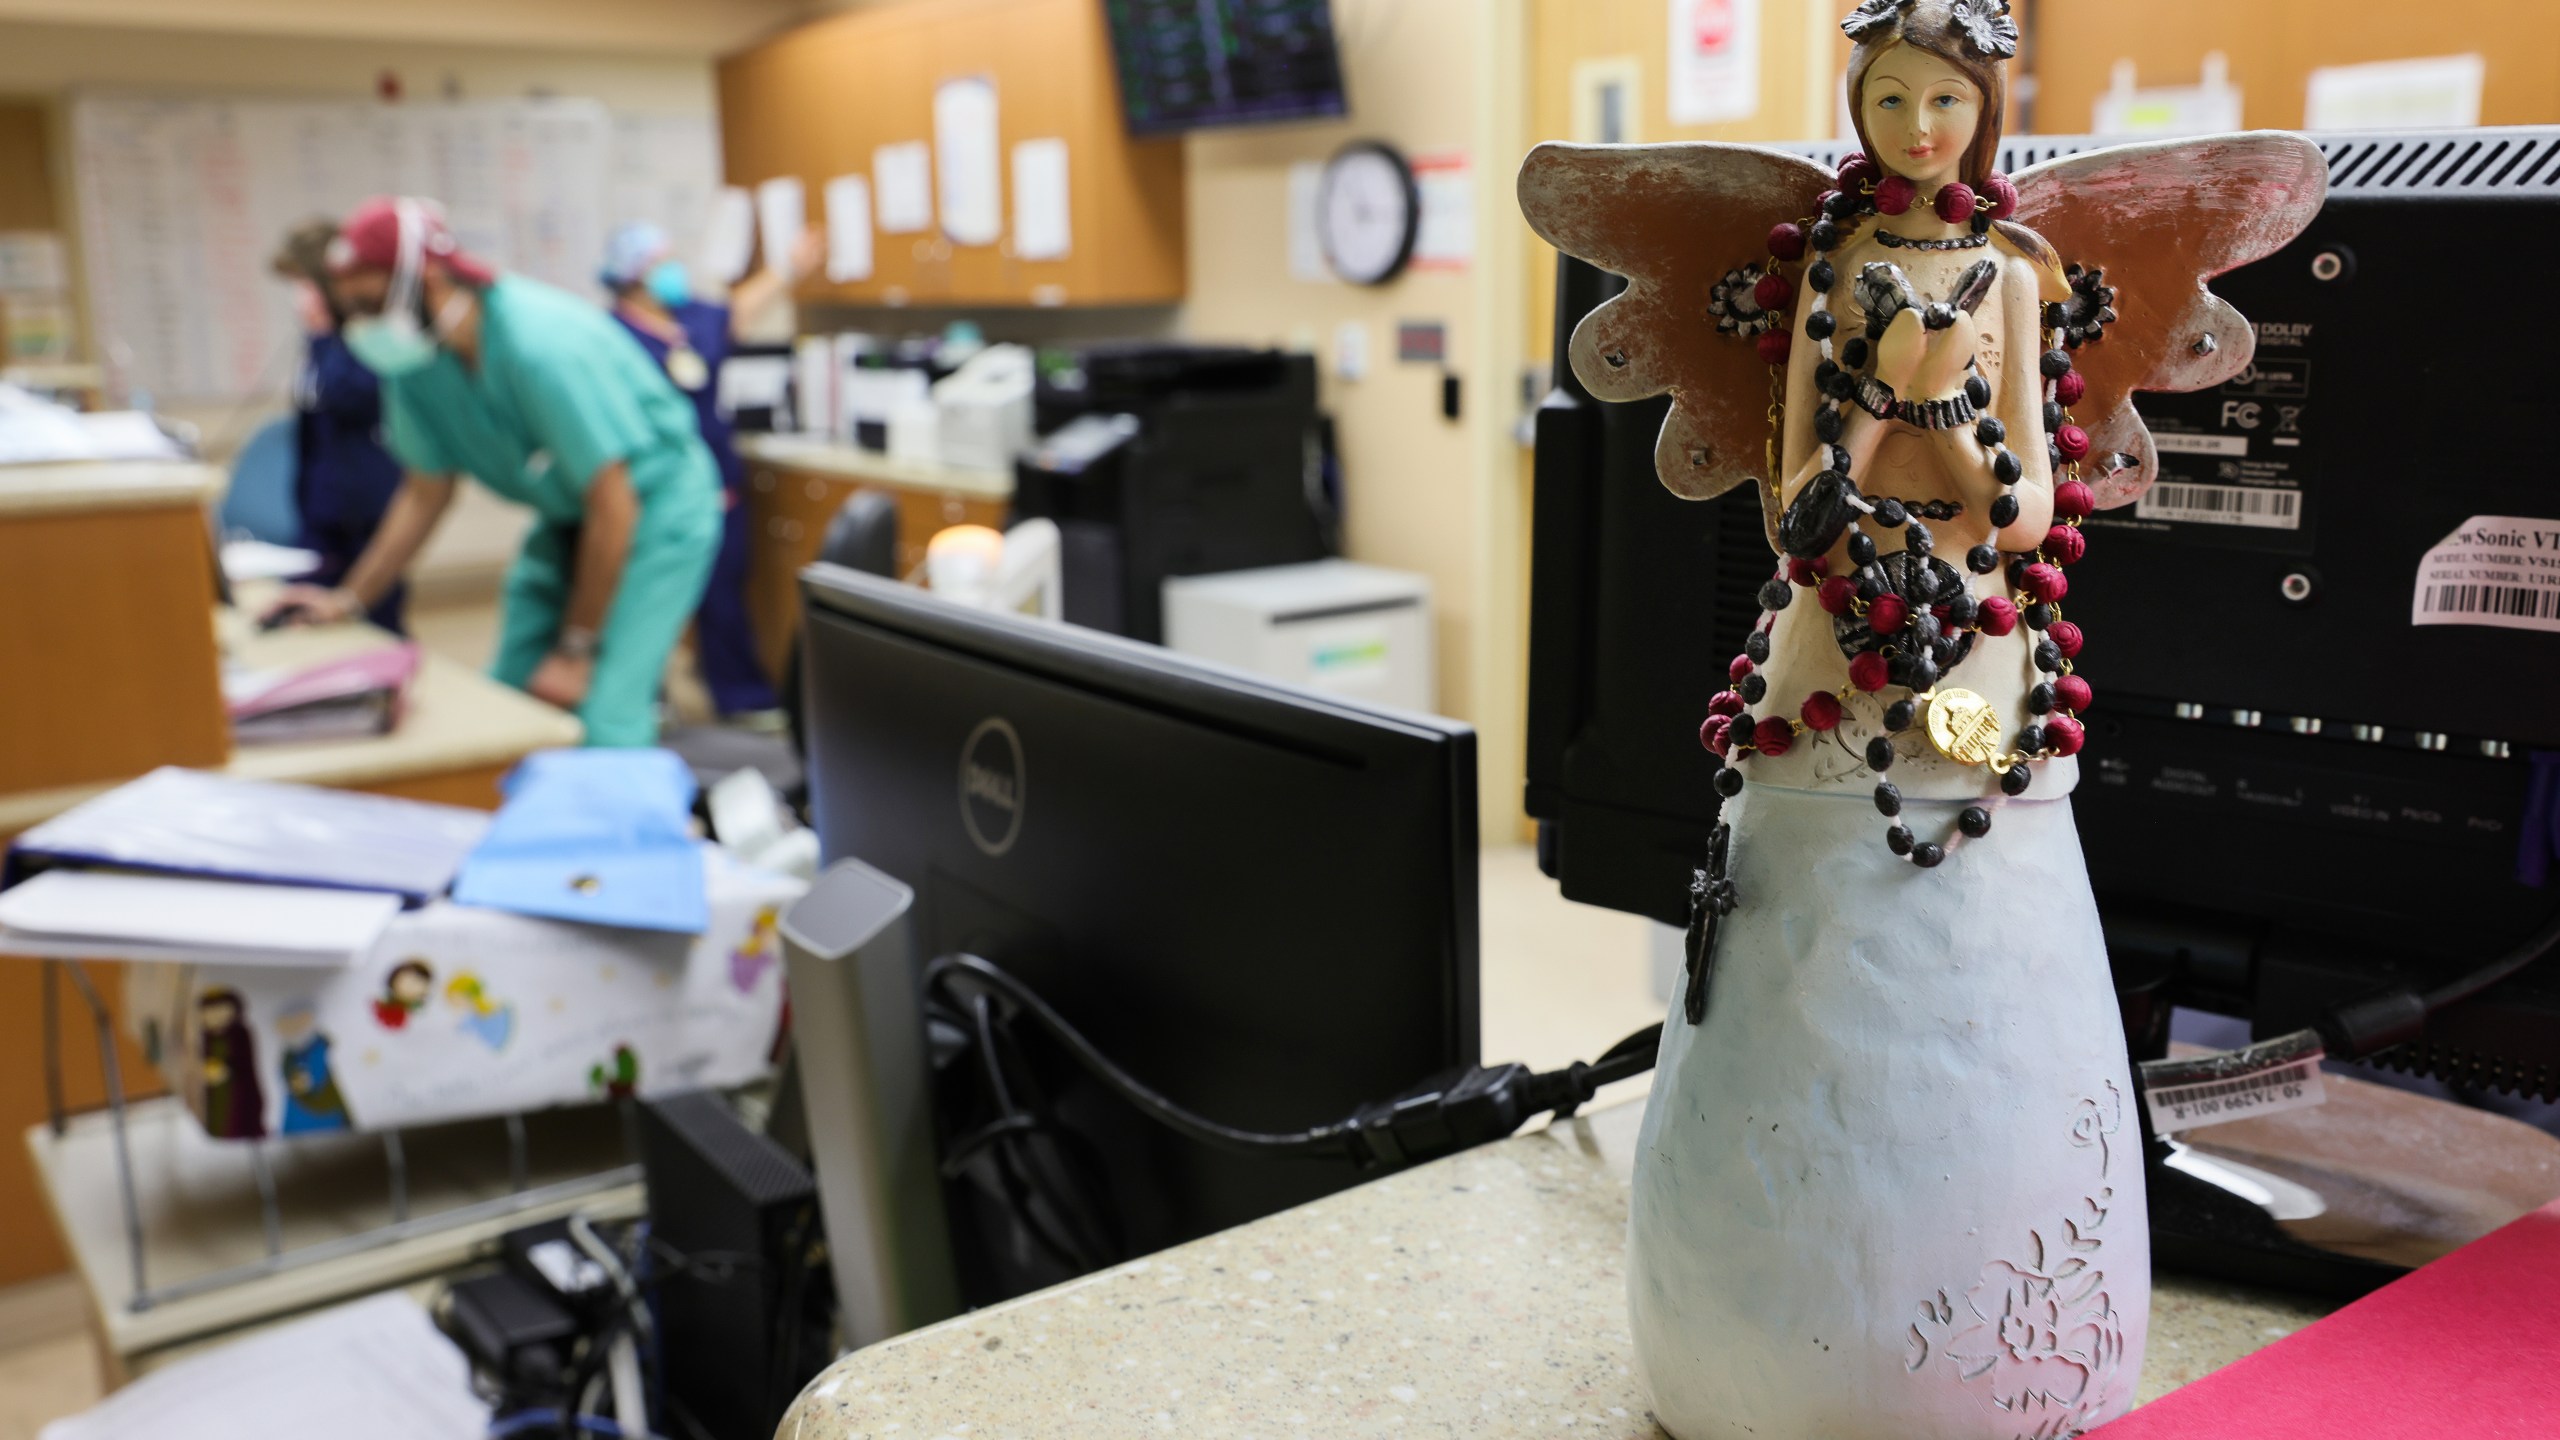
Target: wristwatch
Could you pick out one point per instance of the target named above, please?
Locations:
(577, 642)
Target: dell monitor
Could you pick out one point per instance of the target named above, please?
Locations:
(1258, 900)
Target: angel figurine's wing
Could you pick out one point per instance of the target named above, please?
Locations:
(2161, 219)
(1676, 220)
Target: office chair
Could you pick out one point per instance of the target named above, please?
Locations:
(260, 501)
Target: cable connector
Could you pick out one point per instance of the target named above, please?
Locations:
(1484, 1103)
(2360, 1028)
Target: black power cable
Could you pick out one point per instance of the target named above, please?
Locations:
(1481, 1104)
(2360, 1028)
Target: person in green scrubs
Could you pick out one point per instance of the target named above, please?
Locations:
(545, 400)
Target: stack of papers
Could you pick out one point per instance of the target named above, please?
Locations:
(378, 1368)
(35, 431)
(191, 823)
(351, 696)
(86, 915)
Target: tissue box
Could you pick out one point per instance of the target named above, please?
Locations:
(461, 1012)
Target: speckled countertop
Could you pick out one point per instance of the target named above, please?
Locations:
(1484, 1295)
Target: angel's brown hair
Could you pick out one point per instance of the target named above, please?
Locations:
(1931, 26)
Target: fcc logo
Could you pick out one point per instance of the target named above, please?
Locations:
(991, 775)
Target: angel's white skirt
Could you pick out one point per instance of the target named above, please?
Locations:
(1891, 1187)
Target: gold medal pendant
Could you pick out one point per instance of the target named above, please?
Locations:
(1963, 726)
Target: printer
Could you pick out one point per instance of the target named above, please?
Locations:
(1160, 460)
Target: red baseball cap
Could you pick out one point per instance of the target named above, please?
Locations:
(369, 239)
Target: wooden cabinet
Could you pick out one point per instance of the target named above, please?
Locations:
(816, 101)
(107, 663)
(788, 508)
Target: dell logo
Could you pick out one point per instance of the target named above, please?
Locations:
(991, 779)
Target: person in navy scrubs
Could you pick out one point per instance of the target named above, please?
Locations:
(343, 478)
(689, 336)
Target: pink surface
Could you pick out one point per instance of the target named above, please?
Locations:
(2468, 1346)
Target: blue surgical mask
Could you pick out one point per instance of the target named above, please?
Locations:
(390, 345)
(667, 281)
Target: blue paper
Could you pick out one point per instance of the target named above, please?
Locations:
(600, 836)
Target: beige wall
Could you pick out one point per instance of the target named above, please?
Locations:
(1425, 75)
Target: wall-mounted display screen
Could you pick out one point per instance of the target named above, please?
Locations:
(1186, 64)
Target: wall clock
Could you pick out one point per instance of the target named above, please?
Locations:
(1368, 212)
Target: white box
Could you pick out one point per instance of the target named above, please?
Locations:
(985, 410)
(1356, 630)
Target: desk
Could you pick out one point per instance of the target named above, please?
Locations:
(461, 733)
(795, 485)
(1483, 1295)
(105, 572)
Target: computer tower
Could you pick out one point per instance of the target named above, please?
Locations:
(1166, 460)
(742, 1318)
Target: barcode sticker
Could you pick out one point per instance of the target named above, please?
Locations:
(2198, 1090)
(2497, 570)
(2221, 505)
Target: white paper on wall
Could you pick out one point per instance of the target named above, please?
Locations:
(1306, 238)
(181, 198)
(782, 212)
(729, 241)
(902, 177)
(1040, 211)
(1715, 61)
(848, 199)
(2439, 91)
(2211, 106)
(968, 166)
(1444, 236)
(31, 262)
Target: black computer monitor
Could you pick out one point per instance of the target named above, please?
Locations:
(2292, 796)
(1257, 899)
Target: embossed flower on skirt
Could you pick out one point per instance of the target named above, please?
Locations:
(2036, 1342)
(2038, 1339)
(2094, 1122)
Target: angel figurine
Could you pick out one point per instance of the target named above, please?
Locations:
(1890, 1184)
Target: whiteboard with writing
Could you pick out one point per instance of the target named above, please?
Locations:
(184, 199)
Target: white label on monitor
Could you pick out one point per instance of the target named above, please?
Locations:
(2193, 1091)
(2253, 505)
(2173, 443)
(2495, 570)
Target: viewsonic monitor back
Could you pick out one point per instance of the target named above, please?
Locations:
(2314, 766)
(1259, 900)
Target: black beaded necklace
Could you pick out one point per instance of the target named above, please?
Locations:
(1891, 241)
(1907, 618)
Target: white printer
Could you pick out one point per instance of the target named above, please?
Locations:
(1358, 630)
